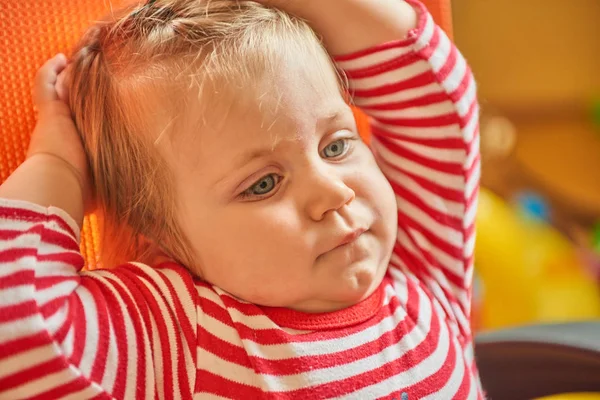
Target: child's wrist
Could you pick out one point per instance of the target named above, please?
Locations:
(47, 180)
(58, 163)
(65, 168)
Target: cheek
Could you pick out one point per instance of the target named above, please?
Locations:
(373, 185)
(376, 190)
(246, 241)
(382, 196)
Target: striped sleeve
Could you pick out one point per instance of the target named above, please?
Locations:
(125, 333)
(421, 99)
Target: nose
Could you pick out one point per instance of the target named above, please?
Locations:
(326, 192)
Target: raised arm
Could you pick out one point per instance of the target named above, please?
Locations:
(421, 99)
(125, 333)
(55, 172)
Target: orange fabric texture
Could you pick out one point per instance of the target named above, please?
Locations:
(32, 31)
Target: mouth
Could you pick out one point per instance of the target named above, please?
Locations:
(343, 243)
(349, 238)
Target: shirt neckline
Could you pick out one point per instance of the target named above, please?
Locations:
(359, 312)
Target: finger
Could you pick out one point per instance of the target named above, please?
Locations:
(62, 89)
(45, 80)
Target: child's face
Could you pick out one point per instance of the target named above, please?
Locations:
(269, 192)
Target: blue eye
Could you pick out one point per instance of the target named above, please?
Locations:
(263, 186)
(335, 149)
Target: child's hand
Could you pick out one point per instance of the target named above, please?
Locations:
(347, 26)
(55, 133)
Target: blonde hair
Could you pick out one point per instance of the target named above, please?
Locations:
(121, 74)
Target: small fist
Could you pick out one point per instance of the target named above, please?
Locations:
(55, 132)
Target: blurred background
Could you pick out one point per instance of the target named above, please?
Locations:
(537, 64)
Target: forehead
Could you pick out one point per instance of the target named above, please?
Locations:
(297, 93)
(291, 97)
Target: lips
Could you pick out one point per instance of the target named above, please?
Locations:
(337, 247)
(349, 238)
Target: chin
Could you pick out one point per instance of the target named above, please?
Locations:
(347, 292)
(359, 285)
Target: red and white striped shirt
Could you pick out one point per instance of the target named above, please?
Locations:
(138, 331)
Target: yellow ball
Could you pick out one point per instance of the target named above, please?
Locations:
(530, 272)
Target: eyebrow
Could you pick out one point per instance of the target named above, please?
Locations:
(332, 118)
(328, 120)
(252, 155)
(336, 116)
